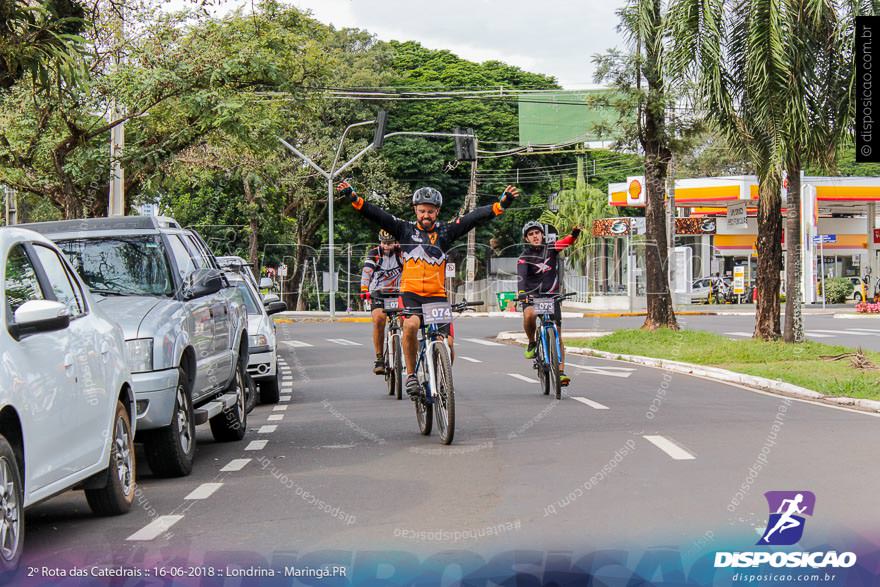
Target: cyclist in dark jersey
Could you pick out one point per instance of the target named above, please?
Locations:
(537, 273)
(424, 244)
(381, 274)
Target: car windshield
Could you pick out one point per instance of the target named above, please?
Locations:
(253, 307)
(121, 265)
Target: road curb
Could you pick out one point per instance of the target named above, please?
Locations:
(715, 374)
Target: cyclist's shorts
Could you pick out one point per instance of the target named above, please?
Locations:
(414, 302)
(557, 312)
(377, 300)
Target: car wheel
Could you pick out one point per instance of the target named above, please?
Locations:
(252, 392)
(170, 450)
(270, 389)
(857, 297)
(230, 425)
(117, 495)
(11, 512)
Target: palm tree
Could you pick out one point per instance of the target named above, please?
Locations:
(643, 22)
(757, 65)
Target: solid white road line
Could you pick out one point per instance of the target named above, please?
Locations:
(591, 403)
(523, 378)
(275, 417)
(874, 330)
(622, 372)
(235, 465)
(256, 445)
(748, 334)
(344, 342)
(204, 491)
(279, 409)
(469, 359)
(669, 447)
(815, 335)
(295, 343)
(267, 429)
(482, 342)
(155, 528)
(843, 332)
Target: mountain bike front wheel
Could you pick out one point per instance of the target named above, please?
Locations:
(398, 366)
(424, 414)
(541, 366)
(444, 398)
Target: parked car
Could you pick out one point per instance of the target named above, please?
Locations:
(66, 401)
(239, 265)
(857, 289)
(262, 360)
(185, 328)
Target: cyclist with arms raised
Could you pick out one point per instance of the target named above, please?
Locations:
(424, 244)
(381, 275)
(537, 273)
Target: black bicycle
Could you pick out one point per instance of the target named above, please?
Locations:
(392, 352)
(436, 398)
(549, 346)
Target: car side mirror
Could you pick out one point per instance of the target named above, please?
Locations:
(275, 307)
(39, 316)
(204, 282)
(266, 283)
(269, 298)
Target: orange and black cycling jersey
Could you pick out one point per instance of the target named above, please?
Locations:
(424, 251)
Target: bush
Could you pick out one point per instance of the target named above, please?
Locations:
(838, 290)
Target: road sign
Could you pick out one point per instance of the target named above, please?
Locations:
(825, 238)
(450, 270)
(736, 215)
(282, 270)
(739, 280)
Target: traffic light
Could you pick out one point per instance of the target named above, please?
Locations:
(379, 135)
(465, 146)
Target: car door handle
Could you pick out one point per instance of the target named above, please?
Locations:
(69, 365)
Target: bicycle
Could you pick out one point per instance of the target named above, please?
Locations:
(392, 351)
(436, 399)
(549, 349)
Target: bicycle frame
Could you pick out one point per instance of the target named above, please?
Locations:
(547, 322)
(430, 337)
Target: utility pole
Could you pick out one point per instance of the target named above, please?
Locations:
(471, 261)
(116, 204)
(11, 206)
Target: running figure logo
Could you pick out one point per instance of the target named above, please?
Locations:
(787, 509)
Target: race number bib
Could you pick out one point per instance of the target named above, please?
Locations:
(545, 305)
(437, 313)
(392, 304)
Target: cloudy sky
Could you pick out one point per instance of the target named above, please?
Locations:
(555, 37)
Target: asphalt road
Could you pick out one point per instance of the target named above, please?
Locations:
(632, 456)
(852, 332)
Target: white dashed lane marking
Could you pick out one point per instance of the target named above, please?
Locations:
(256, 445)
(670, 448)
(469, 359)
(267, 429)
(622, 372)
(483, 342)
(235, 465)
(591, 403)
(344, 342)
(523, 378)
(275, 417)
(204, 491)
(155, 528)
(296, 343)
(279, 409)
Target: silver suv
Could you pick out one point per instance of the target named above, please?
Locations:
(185, 328)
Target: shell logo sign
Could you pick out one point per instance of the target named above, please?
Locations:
(635, 192)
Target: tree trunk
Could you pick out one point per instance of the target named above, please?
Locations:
(794, 323)
(660, 309)
(769, 256)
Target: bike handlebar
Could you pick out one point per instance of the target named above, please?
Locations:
(526, 297)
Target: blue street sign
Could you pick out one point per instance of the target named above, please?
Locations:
(825, 238)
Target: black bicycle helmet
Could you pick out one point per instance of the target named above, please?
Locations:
(532, 224)
(427, 195)
(386, 237)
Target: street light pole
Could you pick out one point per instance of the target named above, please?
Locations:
(334, 173)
